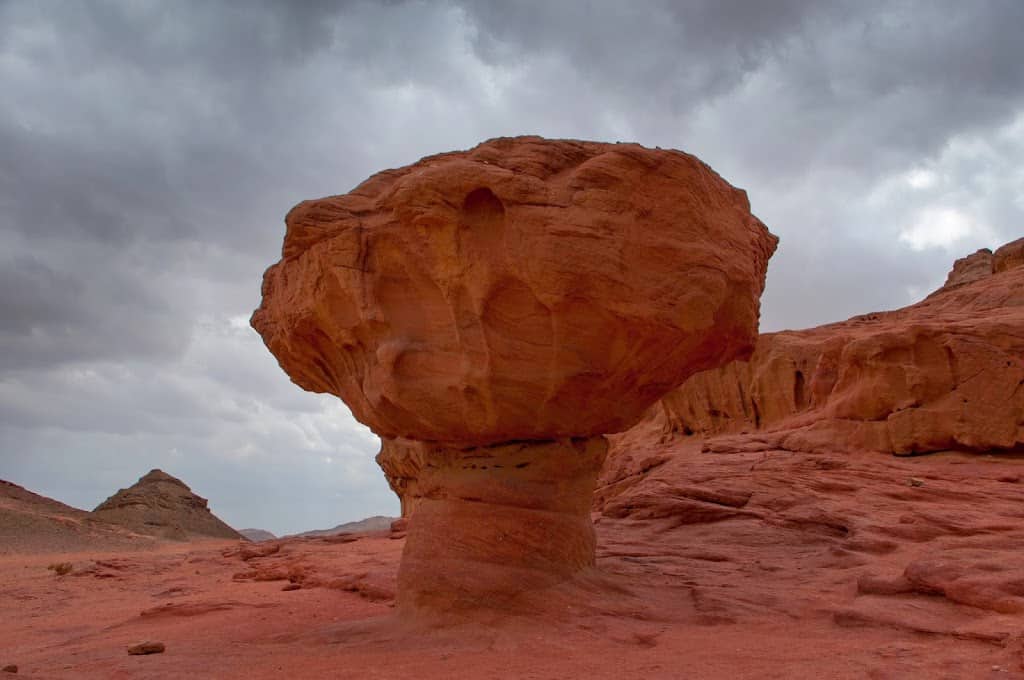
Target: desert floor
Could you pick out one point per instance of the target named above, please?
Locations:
(763, 565)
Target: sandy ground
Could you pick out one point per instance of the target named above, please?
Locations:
(768, 565)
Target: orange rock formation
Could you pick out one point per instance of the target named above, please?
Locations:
(492, 313)
(945, 373)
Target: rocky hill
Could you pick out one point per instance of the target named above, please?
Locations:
(30, 522)
(163, 506)
(257, 535)
(945, 373)
(375, 523)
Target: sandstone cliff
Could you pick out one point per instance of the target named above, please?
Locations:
(945, 373)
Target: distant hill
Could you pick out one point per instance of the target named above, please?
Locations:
(257, 535)
(375, 523)
(163, 506)
(30, 523)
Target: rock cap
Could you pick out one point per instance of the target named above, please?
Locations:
(525, 289)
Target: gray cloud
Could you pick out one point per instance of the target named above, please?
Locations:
(55, 315)
(150, 151)
(827, 77)
(676, 54)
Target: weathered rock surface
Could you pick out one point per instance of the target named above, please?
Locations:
(978, 265)
(945, 373)
(491, 314)
(496, 521)
(525, 289)
(163, 506)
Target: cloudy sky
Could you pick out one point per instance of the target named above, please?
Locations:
(150, 150)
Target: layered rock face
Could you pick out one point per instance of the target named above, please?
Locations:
(490, 522)
(162, 505)
(491, 314)
(946, 373)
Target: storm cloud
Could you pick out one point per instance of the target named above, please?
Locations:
(151, 149)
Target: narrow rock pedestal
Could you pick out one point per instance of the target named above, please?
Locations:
(490, 523)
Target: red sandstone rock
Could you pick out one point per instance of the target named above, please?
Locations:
(1009, 256)
(525, 289)
(143, 648)
(491, 314)
(401, 460)
(944, 373)
(497, 520)
(979, 265)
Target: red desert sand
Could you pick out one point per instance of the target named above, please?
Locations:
(743, 565)
(845, 504)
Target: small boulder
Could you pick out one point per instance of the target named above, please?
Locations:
(147, 647)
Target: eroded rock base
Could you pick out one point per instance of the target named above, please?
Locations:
(489, 524)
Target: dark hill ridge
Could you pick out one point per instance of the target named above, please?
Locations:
(18, 494)
(257, 535)
(31, 523)
(375, 523)
(163, 506)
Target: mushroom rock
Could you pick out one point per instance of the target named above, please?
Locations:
(491, 314)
